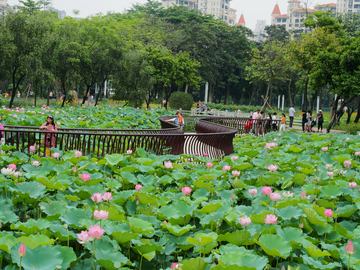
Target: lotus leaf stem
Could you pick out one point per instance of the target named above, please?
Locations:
(349, 262)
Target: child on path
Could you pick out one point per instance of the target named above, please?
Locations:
(283, 122)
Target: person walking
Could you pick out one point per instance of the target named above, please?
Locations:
(291, 115)
(49, 139)
(308, 123)
(2, 135)
(283, 122)
(303, 120)
(320, 119)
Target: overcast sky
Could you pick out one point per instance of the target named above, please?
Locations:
(253, 10)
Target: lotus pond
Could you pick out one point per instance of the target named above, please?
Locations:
(285, 201)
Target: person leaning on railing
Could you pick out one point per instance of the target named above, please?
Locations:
(178, 120)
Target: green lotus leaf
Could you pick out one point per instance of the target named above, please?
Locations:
(346, 211)
(289, 212)
(68, 256)
(259, 218)
(144, 246)
(54, 208)
(35, 240)
(31, 226)
(292, 235)
(237, 183)
(111, 260)
(315, 264)
(312, 250)
(40, 258)
(28, 189)
(231, 267)
(299, 179)
(211, 208)
(129, 177)
(140, 226)
(7, 242)
(146, 199)
(313, 217)
(268, 180)
(61, 233)
(330, 191)
(73, 216)
(325, 203)
(177, 230)
(341, 158)
(243, 259)
(114, 159)
(72, 198)
(202, 239)
(307, 170)
(148, 180)
(274, 245)
(124, 237)
(237, 238)
(194, 264)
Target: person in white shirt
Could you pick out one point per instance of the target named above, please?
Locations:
(291, 115)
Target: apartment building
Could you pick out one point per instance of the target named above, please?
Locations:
(3, 5)
(259, 32)
(348, 6)
(296, 13)
(219, 8)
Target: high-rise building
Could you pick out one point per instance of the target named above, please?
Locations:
(3, 5)
(296, 14)
(348, 6)
(219, 8)
(61, 13)
(259, 32)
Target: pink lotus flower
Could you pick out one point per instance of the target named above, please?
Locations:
(235, 173)
(58, 123)
(275, 196)
(234, 158)
(78, 153)
(348, 139)
(138, 187)
(266, 190)
(12, 166)
(253, 191)
(168, 165)
(226, 168)
(328, 212)
(56, 155)
(17, 174)
(22, 250)
(74, 169)
(15, 116)
(97, 198)
(129, 152)
(270, 145)
(36, 163)
(350, 248)
(174, 266)
(357, 153)
(83, 237)
(325, 149)
(272, 168)
(330, 173)
(107, 196)
(101, 215)
(85, 177)
(196, 154)
(270, 219)
(303, 194)
(245, 221)
(206, 154)
(186, 190)
(352, 184)
(275, 140)
(32, 148)
(165, 222)
(96, 232)
(347, 163)
(209, 164)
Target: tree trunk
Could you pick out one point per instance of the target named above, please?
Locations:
(242, 98)
(267, 94)
(350, 112)
(64, 93)
(86, 94)
(289, 89)
(48, 97)
(333, 114)
(305, 93)
(254, 92)
(358, 111)
(186, 88)
(313, 98)
(227, 94)
(99, 93)
(35, 98)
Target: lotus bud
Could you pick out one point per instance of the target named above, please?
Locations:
(302, 225)
(65, 226)
(233, 196)
(137, 202)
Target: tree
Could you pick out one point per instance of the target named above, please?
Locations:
(150, 8)
(30, 6)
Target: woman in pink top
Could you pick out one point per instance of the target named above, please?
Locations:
(49, 126)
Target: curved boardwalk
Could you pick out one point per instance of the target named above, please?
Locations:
(213, 136)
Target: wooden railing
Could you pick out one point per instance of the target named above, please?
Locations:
(213, 136)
